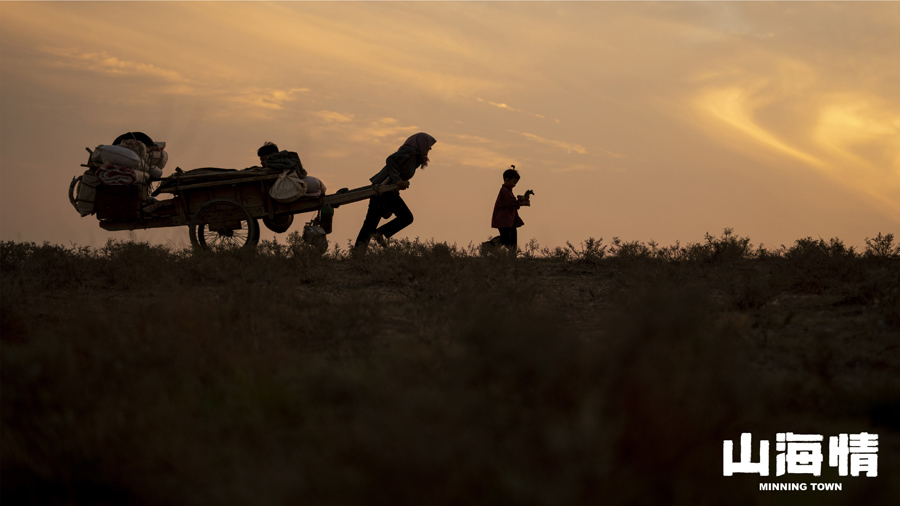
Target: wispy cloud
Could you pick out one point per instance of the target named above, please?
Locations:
(564, 146)
(383, 129)
(482, 155)
(859, 128)
(105, 63)
(852, 138)
(340, 134)
(333, 117)
(262, 100)
(472, 138)
(735, 106)
(512, 109)
(578, 167)
(862, 135)
(268, 98)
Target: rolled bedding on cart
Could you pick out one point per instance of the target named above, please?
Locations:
(315, 187)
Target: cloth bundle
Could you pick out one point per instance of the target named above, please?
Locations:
(133, 159)
(287, 188)
(133, 154)
(87, 183)
(119, 155)
(118, 175)
(314, 186)
(157, 159)
(286, 160)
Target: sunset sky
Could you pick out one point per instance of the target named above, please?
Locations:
(635, 120)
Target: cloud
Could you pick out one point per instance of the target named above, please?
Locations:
(578, 167)
(261, 99)
(789, 109)
(104, 63)
(862, 135)
(478, 155)
(564, 146)
(735, 107)
(513, 109)
(472, 138)
(422, 55)
(334, 117)
(383, 129)
(268, 98)
(859, 128)
(340, 133)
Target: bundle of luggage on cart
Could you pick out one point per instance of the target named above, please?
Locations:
(117, 180)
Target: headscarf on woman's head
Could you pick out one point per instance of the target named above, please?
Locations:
(420, 141)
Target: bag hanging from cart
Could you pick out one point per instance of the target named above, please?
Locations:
(83, 192)
(287, 188)
(315, 235)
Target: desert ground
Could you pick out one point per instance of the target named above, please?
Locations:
(427, 373)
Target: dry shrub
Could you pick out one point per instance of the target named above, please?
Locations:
(882, 246)
(423, 373)
(681, 384)
(815, 265)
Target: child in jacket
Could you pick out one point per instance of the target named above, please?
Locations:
(506, 210)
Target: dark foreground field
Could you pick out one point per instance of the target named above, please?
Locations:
(424, 374)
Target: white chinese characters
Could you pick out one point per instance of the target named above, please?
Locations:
(802, 454)
(862, 449)
(745, 465)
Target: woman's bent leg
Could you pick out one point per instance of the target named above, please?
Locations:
(373, 216)
(403, 216)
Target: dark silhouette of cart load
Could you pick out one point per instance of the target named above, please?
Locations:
(221, 207)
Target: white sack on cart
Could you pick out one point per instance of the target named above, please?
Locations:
(157, 155)
(138, 147)
(87, 193)
(287, 188)
(314, 186)
(118, 155)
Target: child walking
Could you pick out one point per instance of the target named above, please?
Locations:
(506, 210)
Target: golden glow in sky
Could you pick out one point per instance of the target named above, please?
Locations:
(638, 120)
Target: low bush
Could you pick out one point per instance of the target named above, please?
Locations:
(426, 373)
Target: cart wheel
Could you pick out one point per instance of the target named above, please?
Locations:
(223, 223)
(255, 238)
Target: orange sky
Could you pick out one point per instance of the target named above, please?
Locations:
(643, 121)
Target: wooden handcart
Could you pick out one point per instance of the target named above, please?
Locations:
(221, 207)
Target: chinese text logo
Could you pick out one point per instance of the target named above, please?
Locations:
(802, 454)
